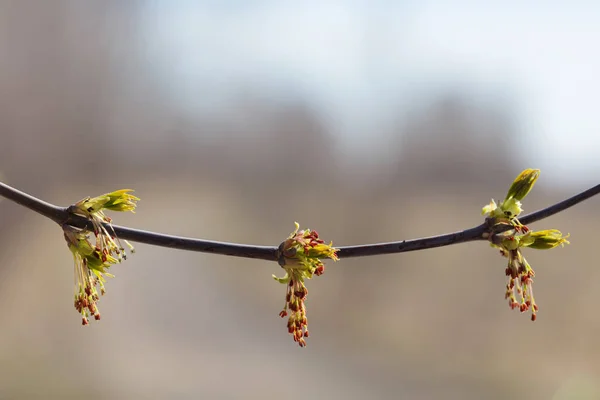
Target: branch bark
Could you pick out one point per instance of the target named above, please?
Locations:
(61, 216)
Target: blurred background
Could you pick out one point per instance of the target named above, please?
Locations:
(366, 120)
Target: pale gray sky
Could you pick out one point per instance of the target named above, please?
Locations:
(361, 60)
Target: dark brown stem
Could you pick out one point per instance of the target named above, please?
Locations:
(61, 216)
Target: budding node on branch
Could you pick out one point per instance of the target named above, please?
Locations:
(506, 233)
(92, 261)
(300, 256)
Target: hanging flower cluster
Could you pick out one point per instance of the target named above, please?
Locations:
(510, 236)
(300, 256)
(92, 260)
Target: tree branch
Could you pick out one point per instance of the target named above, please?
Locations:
(561, 206)
(447, 239)
(468, 235)
(61, 216)
(48, 210)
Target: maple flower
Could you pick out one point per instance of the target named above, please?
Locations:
(510, 236)
(300, 256)
(91, 270)
(510, 208)
(92, 261)
(93, 208)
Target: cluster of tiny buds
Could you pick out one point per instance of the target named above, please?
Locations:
(109, 243)
(308, 238)
(294, 301)
(92, 261)
(86, 299)
(320, 269)
(519, 288)
(300, 256)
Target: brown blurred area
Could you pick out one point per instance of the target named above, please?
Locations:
(82, 114)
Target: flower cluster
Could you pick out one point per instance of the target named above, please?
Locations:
(93, 208)
(510, 236)
(510, 208)
(92, 261)
(300, 256)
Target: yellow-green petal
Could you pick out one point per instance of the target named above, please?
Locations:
(523, 184)
(546, 239)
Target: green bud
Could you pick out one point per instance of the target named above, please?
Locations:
(523, 184)
(544, 240)
(510, 243)
(91, 205)
(511, 208)
(121, 200)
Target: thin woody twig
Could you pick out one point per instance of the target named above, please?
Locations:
(560, 206)
(467, 235)
(61, 216)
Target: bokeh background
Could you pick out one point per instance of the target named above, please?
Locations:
(367, 120)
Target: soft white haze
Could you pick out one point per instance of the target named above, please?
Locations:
(363, 63)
